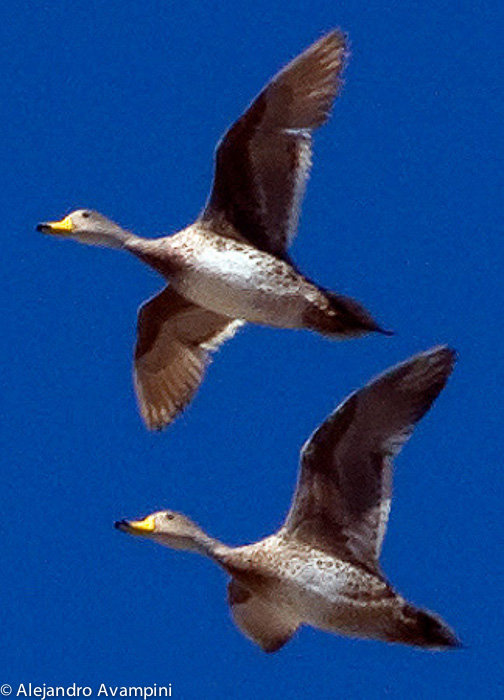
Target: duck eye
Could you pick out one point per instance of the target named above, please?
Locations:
(85, 215)
(170, 516)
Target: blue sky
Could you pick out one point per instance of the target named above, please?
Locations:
(118, 106)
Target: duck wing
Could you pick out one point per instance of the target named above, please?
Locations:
(263, 161)
(174, 341)
(343, 494)
(262, 621)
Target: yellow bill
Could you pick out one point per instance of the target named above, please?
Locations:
(64, 226)
(148, 524)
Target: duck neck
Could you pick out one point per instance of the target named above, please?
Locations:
(158, 253)
(117, 238)
(214, 549)
(209, 547)
(122, 239)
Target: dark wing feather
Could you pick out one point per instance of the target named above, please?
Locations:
(263, 161)
(342, 500)
(175, 338)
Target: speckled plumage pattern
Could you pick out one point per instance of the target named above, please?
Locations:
(321, 568)
(232, 264)
(236, 280)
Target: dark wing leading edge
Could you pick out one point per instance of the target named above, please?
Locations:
(175, 338)
(342, 500)
(263, 161)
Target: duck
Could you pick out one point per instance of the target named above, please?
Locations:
(232, 266)
(321, 568)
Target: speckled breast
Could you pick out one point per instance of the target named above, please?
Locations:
(236, 280)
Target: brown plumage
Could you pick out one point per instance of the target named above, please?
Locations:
(322, 567)
(232, 265)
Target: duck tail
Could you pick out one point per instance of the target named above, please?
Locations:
(424, 629)
(343, 317)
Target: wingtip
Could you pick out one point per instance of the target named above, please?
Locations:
(447, 350)
(341, 42)
(456, 644)
(157, 418)
(443, 354)
(432, 367)
(384, 331)
(336, 34)
(156, 423)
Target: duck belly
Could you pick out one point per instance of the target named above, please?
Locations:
(334, 597)
(367, 619)
(248, 285)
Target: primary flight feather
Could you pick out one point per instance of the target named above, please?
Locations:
(322, 566)
(231, 266)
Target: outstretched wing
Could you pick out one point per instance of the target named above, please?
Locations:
(174, 340)
(342, 500)
(260, 620)
(263, 161)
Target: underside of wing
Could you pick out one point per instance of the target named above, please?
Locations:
(175, 339)
(342, 500)
(267, 625)
(263, 161)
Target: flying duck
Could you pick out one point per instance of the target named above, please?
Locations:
(231, 266)
(322, 566)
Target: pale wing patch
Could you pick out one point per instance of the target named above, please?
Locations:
(175, 338)
(266, 624)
